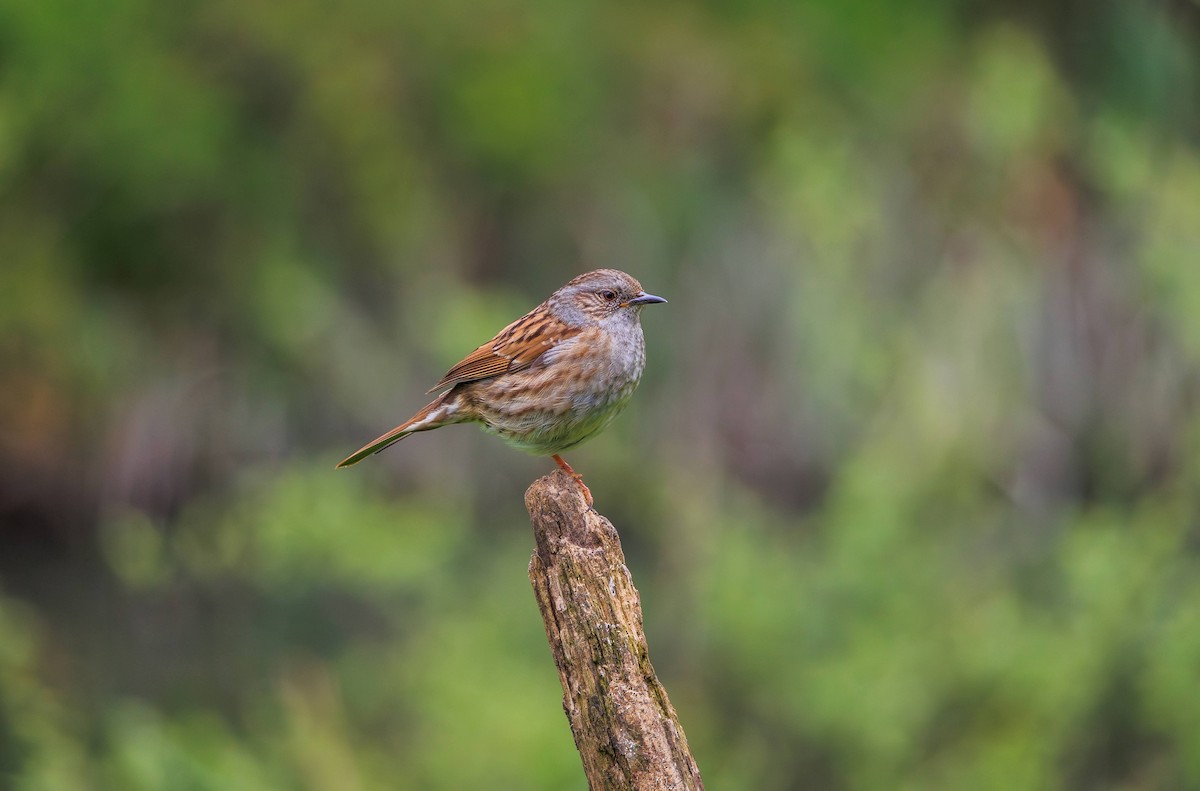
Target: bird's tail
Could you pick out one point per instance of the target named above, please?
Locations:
(437, 413)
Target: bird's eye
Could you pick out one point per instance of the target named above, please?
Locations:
(609, 294)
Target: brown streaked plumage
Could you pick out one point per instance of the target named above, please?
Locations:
(552, 379)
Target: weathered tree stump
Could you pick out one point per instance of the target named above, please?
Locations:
(625, 728)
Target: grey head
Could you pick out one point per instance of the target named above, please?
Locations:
(600, 296)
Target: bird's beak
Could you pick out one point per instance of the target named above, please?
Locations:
(643, 299)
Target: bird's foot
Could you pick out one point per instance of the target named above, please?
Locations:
(562, 463)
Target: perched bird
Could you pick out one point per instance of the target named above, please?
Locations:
(552, 379)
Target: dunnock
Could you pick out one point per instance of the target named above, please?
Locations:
(552, 379)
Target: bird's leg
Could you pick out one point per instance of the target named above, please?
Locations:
(561, 462)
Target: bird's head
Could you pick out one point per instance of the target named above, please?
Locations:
(601, 294)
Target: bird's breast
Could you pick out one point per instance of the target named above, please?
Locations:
(612, 358)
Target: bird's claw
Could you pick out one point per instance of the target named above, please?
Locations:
(562, 463)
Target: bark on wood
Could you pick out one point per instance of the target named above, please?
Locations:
(625, 728)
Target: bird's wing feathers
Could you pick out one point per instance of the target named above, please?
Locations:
(515, 348)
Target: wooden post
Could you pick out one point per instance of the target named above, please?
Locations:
(625, 728)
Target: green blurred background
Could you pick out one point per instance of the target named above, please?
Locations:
(910, 488)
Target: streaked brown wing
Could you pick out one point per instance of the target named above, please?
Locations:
(514, 348)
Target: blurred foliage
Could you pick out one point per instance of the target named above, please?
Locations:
(910, 488)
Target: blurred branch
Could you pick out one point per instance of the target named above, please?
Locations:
(625, 728)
